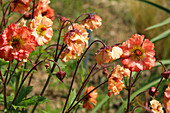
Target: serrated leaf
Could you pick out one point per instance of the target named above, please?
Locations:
(72, 96)
(161, 36)
(156, 5)
(22, 94)
(167, 21)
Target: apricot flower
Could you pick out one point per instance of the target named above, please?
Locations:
(16, 43)
(66, 55)
(156, 106)
(21, 6)
(92, 22)
(138, 54)
(166, 99)
(91, 98)
(41, 29)
(106, 55)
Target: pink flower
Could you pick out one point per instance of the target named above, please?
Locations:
(21, 6)
(91, 98)
(138, 54)
(166, 99)
(16, 43)
(92, 22)
(41, 29)
(107, 54)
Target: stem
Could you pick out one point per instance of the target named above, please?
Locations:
(139, 94)
(158, 86)
(24, 81)
(82, 15)
(78, 62)
(162, 65)
(129, 92)
(135, 78)
(1, 77)
(83, 85)
(33, 9)
(86, 95)
(55, 63)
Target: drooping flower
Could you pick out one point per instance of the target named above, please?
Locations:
(138, 54)
(115, 80)
(62, 19)
(16, 43)
(156, 106)
(41, 29)
(166, 99)
(91, 98)
(75, 41)
(66, 55)
(92, 22)
(21, 6)
(106, 55)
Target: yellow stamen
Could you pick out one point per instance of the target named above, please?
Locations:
(16, 42)
(41, 30)
(137, 53)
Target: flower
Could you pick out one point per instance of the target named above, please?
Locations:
(91, 98)
(21, 6)
(138, 54)
(62, 19)
(75, 41)
(106, 55)
(166, 99)
(156, 106)
(16, 43)
(92, 22)
(115, 80)
(66, 55)
(41, 29)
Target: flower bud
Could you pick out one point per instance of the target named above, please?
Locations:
(166, 74)
(47, 65)
(152, 91)
(60, 75)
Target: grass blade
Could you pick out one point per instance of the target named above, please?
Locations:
(161, 36)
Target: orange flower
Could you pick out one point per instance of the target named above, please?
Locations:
(21, 6)
(106, 55)
(75, 41)
(115, 80)
(92, 22)
(166, 99)
(66, 55)
(16, 43)
(138, 54)
(41, 29)
(156, 106)
(91, 98)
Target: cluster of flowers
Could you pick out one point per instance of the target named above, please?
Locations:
(18, 40)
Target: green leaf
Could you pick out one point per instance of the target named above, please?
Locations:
(4, 4)
(72, 96)
(165, 62)
(167, 21)
(156, 5)
(100, 104)
(22, 94)
(161, 36)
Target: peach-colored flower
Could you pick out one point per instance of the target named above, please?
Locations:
(41, 29)
(115, 80)
(22, 22)
(66, 55)
(91, 98)
(92, 22)
(156, 106)
(138, 54)
(106, 55)
(16, 43)
(166, 99)
(21, 6)
(42, 3)
(75, 41)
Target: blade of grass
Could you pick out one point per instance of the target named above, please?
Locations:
(167, 21)
(161, 36)
(156, 5)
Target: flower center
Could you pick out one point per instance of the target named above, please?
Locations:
(41, 30)
(16, 42)
(137, 53)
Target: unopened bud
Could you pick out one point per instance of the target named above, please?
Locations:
(152, 91)
(47, 65)
(60, 75)
(166, 74)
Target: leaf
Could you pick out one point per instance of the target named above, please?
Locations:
(167, 21)
(161, 36)
(156, 5)
(100, 104)
(72, 96)
(22, 94)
